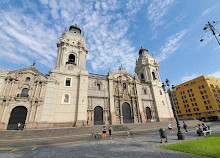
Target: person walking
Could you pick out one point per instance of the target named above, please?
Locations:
(170, 128)
(110, 131)
(185, 127)
(104, 132)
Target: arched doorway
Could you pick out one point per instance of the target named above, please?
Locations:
(126, 111)
(18, 114)
(148, 113)
(98, 115)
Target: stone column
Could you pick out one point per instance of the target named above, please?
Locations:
(11, 88)
(111, 99)
(5, 89)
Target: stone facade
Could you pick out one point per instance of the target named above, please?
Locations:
(71, 96)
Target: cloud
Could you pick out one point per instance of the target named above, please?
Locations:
(157, 10)
(33, 32)
(208, 10)
(170, 46)
(190, 77)
(215, 74)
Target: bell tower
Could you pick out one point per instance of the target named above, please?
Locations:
(71, 51)
(67, 88)
(147, 67)
(148, 74)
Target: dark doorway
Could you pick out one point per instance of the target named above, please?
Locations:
(18, 114)
(98, 115)
(148, 113)
(126, 111)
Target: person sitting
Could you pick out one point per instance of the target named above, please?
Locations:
(199, 129)
(205, 127)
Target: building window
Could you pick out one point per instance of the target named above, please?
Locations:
(199, 87)
(196, 104)
(203, 86)
(98, 86)
(142, 78)
(198, 109)
(24, 92)
(145, 91)
(201, 92)
(194, 99)
(163, 103)
(208, 101)
(189, 110)
(154, 76)
(192, 104)
(192, 95)
(206, 96)
(194, 109)
(205, 102)
(68, 82)
(210, 107)
(207, 108)
(27, 79)
(204, 91)
(161, 92)
(124, 85)
(71, 59)
(203, 97)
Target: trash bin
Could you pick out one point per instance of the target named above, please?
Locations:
(163, 133)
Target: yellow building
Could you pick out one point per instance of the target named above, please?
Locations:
(198, 98)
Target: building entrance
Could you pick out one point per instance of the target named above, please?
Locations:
(148, 113)
(126, 111)
(98, 115)
(18, 114)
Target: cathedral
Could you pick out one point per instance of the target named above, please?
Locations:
(70, 96)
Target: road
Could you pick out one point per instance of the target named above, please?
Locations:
(140, 145)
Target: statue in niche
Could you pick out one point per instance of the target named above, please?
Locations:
(66, 98)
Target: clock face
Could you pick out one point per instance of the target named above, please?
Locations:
(71, 67)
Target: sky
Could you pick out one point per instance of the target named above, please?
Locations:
(114, 30)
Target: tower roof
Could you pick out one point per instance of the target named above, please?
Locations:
(75, 28)
(142, 50)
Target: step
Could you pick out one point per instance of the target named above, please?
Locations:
(71, 131)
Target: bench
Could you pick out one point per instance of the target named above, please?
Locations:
(207, 132)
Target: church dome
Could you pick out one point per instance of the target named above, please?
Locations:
(75, 29)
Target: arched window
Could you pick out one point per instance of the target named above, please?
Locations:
(145, 91)
(124, 85)
(71, 59)
(27, 79)
(24, 92)
(154, 76)
(142, 78)
(66, 98)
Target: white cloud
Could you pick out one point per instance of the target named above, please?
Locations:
(170, 46)
(157, 10)
(105, 23)
(190, 77)
(215, 74)
(207, 11)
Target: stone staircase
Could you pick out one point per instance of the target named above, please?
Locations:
(74, 131)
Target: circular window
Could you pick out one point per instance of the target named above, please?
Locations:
(71, 67)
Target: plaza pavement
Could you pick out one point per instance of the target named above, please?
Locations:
(140, 145)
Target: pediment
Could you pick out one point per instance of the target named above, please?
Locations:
(31, 71)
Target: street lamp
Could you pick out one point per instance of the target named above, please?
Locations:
(180, 134)
(211, 27)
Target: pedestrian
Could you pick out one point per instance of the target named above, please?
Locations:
(110, 131)
(104, 132)
(170, 128)
(185, 127)
(19, 126)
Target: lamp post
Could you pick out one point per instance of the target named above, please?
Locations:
(211, 27)
(180, 134)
